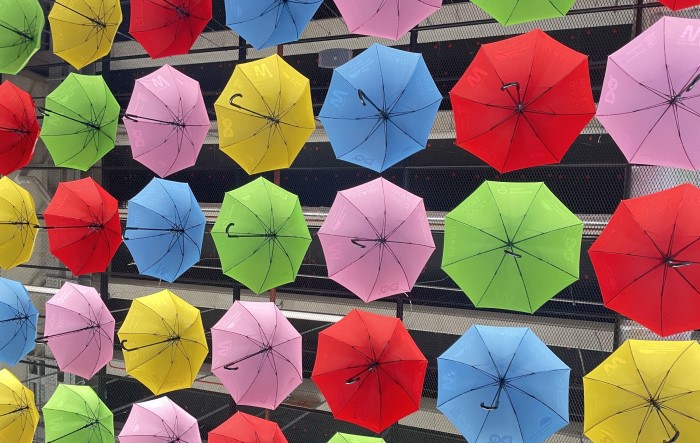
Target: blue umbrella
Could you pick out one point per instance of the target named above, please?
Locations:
(503, 385)
(164, 229)
(265, 23)
(380, 107)
(18, 318)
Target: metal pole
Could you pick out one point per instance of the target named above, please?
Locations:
(242, 49)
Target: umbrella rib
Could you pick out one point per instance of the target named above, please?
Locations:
(680, 136)
(403, 271)
(369, 222)
(549, 232)
(492, 280)
(537, 399)
(515, 413)
(495, 366)
(668, 372)
(546, 262)
(263, 225)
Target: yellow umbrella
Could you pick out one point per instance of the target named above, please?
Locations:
(264, 115)
(163, 342)
(18, 415)
(18, 224)
(646, 391)
(83, 30)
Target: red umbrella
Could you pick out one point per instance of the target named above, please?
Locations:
(522, 102)
(83, 225)
(647, 260)
(168, 27)
(19, 128)
(675, 5)
(244, 428)
(370, 370)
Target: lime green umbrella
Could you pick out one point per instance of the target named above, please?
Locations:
(261, 235)
(349, 438)
(511, 12)
(512, 246)
(80, 123)
(21, 24)
(74, 414)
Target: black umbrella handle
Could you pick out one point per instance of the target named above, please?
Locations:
(492, 407)
(512, 253)
(170, 340)
(257, 114)
(354, 379)
(497, 400)
(674, 438)
(232, 366)
(45, 338)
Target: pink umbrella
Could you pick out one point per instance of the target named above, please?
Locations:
(385, 18)
(166, 121)
(649, 103)
(159, 421)
(257, 354)
(79, 330)
(376, 239)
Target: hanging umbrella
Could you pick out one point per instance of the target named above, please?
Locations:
(18, 224)
(159, 421)
(244, 428)
(376, 239)
(82, 31)
(503, 382)
(522, 102)
(165, 229)
(21, 25)
(81, 121)
(18, 318)
(511, 12)
(648, 103)
(263, 125)
(676, 5)
(369, 369)
(270, 22)
(163, 342)
(83, 225)
(261, 235)
(339, 437)
(512, 246)
(18, 414)
(75, 414)
(647, 260)
(166, 121)
(380, 107)
(646, 391)
(19, 129)
(168, 27)
(257, 354)
(79, 330)
(387, 19)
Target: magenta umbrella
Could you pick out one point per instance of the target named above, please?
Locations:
(376, 239)
(159, 421)
(649, 103)
(257, 354)
(166, 121)
(385, 18)
(79, 330)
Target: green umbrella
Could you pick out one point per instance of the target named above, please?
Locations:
(511, 12)
(349, 438)
(81, 121)
(74, 414)
(512, 246)
(261, 235)
(21, 24)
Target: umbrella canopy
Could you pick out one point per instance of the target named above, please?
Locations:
(265, 23)
(522, 101)
(159, 421)
(390, 19)
(81, 121)
(21, 26)
(376, 239)
(166, 120)
(19, 129)
(244, 428)
(646, 391)
(79, 330)
(504, 382)
(165, 229)
(369, 369)
(18, 318)
(168, 27)
(18, 414)
(648, 103)
(272, 122)
(257, 354)
(339, 437)
(512, 246)
(647, 260)
(82, 31)
(511, 12)
(163, 342)
(676, 5)
(18, 224)
(380, 107)
(82, 220)
(75, 414)
(261, 235)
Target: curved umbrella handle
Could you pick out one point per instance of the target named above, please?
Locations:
(230, 367)
(510, 85)
(124, 348)
(512, 254)
(355, 241)
(228, 230)
(492, 407)
(352, 380)
(233, 97)
(41, 340)
(674, 438)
